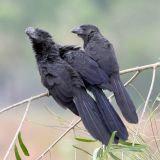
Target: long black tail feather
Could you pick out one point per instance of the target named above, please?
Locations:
(73, 108)
(124, 101)
(110, 116)
(91, 116)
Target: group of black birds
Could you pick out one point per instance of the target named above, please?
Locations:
(69, 71)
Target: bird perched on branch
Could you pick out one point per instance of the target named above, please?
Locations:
(101, 50)
(65, 85)
(95, 79)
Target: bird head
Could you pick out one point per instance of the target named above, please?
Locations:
(85, 30)
(42, 41)
(38, 35)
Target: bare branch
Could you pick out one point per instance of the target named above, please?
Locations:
(141, 68)
(18, 130)
(132, 78)
(46, 93)
(72, 125)
(24, 101)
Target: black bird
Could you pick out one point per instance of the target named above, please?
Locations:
(65, 85)
(95, 79)
(101, 50)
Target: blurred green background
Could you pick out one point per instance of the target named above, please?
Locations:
(132, 26)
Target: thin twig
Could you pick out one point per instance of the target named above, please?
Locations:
(18, 130)
(57, 117)
(132, 78)
(78, 129)
(140, 95)
(149, 66)
(58, 139)
(24, 101)
(48, 126)
(82, 150)
(75, 150)
(146, 102)
(156, 126)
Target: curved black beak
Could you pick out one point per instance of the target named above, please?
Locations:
(77, 30)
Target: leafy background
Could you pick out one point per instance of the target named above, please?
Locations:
(132, 26)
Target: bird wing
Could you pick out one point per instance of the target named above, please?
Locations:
(86, 67)
(58, 81)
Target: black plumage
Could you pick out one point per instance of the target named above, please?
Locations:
(65, 85)
(101, 50)
(95, 79)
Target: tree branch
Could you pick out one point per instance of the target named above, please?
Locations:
(141, 68)
(24, 101)
(58, 139)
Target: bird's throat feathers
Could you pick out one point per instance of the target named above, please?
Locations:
(45, 50)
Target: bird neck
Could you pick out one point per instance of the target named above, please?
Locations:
(91, 37)
(46, 51)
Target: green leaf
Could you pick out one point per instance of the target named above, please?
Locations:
(102, 153)
(23, 147)
(85, 140)
(113, 156)
(126, 148)
(97, 154)
(111, 141)
(82, 150)
(131, 144)
(17, 153)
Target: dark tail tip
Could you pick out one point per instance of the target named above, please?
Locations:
(134, 120)
(124, 101)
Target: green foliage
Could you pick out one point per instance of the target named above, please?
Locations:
(111, 141)
(16, 153)
(114, 157)
(103, 152)
(85, 140)
(113, 151)
(81, 149)
(22, 146)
